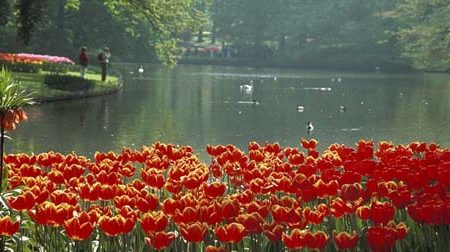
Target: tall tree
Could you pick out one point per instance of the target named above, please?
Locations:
(29, 13)
(155, 24)
(423, 32)
(4, 11)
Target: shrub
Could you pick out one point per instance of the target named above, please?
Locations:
(68, 83)
(22, 67)
(55, 68)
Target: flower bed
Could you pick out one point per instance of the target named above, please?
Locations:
(26, 62)
(268, 199)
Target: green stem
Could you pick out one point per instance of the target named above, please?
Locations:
(2, 141)
(2, 144)
(21, 232)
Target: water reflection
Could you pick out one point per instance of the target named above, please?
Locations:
(199, 105)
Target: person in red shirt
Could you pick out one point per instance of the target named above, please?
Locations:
(84, 61)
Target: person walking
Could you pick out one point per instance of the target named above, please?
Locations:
(103, 58)
(84, 61)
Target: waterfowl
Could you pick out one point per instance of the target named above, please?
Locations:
(247, 88)
(309, 128)
(255, 101)
(141, 69)
(342, 108)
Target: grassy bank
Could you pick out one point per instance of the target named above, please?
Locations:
(34, 83)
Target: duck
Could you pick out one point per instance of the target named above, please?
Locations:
(309, 128)
(141, 69)
(255, 102)
(247, 88)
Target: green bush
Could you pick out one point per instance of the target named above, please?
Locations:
(21, 67)
(68, 83)
(55, 68)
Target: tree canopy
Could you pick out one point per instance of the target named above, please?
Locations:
(64, 25)
(325, 33)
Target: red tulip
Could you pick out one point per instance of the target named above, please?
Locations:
(124, 200)
(193, 232)
(296, 159)
(79, 228)
(401, 198)
(48, 213)
(309, 144)
(345, 240)
(381, 238)
(233, 232)
(400, 229)
(116, 225)
(315, 217)
(340, 208)
(58, 197)
(260, 207)
(215, 189)
(160, 240)
(23, 202)
(296, 240)
(381, 212)
(8, 227)
(211, 214)
(252, 222)
(273, 231)
(147, 201)
(188, 215)
(230, 208)
(153, 177)
(283, 215)
(56, 177)
(351, 192)
(317, 240)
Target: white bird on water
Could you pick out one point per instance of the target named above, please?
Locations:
(141, 69)
(309, 128)
(247, 88)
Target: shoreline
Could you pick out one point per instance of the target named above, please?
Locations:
(41, 93)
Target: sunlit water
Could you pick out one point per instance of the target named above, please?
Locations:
(200, 105)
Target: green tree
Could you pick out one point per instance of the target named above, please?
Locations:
(144, 27)
(423, 32)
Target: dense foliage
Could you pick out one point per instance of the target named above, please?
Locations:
(134, 30)
(369, 34)
(68, 83)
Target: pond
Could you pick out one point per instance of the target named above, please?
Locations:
(200, 105)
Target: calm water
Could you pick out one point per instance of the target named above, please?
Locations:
(200, 105)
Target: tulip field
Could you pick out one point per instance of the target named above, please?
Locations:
(28, 62)
(367, 197)
(34, 58)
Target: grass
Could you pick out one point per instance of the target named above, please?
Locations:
(34, 83)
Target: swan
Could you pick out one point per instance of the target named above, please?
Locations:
(247, 88)
(141, 69)
(309, 128)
